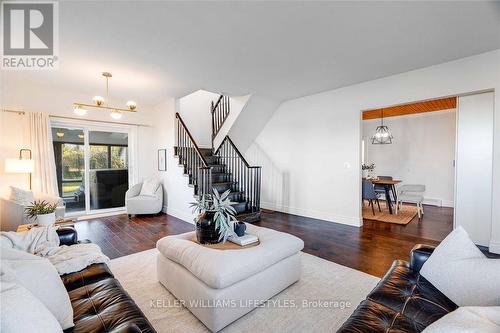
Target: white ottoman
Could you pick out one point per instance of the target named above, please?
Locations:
(220, 286)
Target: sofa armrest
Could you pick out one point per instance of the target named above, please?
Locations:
(419, 255)
(67, 235)
(133, 191)
(159, 193)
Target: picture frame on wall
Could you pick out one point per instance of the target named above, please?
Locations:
(162, 160)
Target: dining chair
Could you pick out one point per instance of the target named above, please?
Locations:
(412, 194)
(368, 193)
(381, 189)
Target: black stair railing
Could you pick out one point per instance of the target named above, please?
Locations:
(248, 177)
(190, 155)
(220, 110)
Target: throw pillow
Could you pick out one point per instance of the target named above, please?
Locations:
(22, 311)
(462, 272)
(21, 196)
(40, 277)
(149, 187)
(468, 319)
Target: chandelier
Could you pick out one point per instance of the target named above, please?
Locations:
(382, 134)
(101, 103)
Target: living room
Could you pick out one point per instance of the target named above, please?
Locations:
(162, 134)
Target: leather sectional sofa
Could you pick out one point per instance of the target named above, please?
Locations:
(403, 301)
(99, 302)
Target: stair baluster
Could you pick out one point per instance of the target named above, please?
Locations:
(220, 110)
(248, 177)
(195, 165)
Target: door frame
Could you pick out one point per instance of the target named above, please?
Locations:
(86, 126)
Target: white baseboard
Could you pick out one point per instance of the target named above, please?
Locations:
(438, 202)
(94, 216)
(447, 203)
(320, 215)
(494, 247)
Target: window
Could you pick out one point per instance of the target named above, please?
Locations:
(108, 157)
(99, 158)
(72, 168)
(119, 157)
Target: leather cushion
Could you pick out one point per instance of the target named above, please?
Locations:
(419, 255)
(403, 301)
(371, 317)
(104, 306)
(67, 235)
(91, 274)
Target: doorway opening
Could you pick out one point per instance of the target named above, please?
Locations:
(408, 158)
(439, 158)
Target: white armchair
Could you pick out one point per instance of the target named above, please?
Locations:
(13, 215)
(137, 203)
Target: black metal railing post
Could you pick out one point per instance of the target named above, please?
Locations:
(220, 111)
(247, 177)
(192, 158)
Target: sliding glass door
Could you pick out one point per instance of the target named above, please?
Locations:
(92, 167)
(108, 174)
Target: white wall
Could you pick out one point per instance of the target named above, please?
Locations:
(251, 121)
(314, 141)
(474, 163)
(13, 136)
(422, 152)
(237, 104)
(195, 112)
(177, 193)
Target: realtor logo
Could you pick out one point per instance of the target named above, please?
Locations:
(29, 35)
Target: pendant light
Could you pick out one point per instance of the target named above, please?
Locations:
(103, 103)
(382, 134)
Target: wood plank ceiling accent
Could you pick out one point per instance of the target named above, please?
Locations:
(412, 108)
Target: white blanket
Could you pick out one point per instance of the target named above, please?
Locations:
(31, 241)
(44, 241)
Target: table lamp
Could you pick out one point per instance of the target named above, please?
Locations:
(20, 165)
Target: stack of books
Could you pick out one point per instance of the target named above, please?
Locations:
(244, 240)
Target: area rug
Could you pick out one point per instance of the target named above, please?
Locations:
(404, 215)
(321, 301)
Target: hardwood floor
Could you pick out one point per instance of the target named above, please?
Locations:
(370, 249)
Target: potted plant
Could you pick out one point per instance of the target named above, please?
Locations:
(42, 212)
(215, 220)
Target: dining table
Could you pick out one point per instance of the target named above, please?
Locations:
(389, 186)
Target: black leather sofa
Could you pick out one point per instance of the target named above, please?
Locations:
(403, 301)
(99, 302)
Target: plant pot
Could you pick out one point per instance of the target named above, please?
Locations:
(46, 219)
(205, 229)
(240, 228)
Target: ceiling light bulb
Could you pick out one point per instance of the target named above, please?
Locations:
(60, 134)
(131, 105)
(115, 114)
(98, 100)
(80, 136)
(79, 110)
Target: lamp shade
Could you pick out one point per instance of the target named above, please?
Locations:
(16, 165)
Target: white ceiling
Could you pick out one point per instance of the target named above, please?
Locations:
(280, 50)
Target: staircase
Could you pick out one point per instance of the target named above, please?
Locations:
(223, 168)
